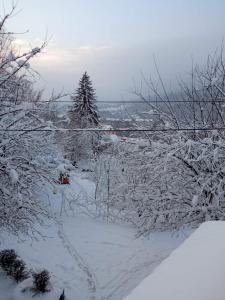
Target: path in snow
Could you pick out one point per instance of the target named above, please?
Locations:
(88, 274)
(118, 260)
(93, 260)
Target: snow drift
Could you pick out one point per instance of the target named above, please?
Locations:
(194, 271)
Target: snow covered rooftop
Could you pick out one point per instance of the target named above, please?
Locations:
(194, 271)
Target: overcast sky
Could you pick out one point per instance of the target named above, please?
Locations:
(115, 40)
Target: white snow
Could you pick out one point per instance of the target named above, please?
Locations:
(36, 50)
(21, 62)
(114, 138)
(90, 259)
(61, 168)
(11, 56)
(195, 201)
(194, 271)
(13, 176)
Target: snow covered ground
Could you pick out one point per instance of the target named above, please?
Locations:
(194, 271)
(88, 258)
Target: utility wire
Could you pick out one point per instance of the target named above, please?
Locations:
(128, 101)
(112, 130)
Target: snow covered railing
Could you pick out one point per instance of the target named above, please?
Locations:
(194, 271)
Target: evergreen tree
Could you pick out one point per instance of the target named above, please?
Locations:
(85, 109)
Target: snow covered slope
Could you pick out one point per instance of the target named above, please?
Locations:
(88, 258)
(194, 271)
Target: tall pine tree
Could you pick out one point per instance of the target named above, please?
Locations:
(84, 114)
(85, 109)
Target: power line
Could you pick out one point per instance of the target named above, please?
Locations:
(112, 130)
(128, 101)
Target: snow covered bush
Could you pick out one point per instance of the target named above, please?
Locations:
(12, 265)
(7, 258)
(164, 186)
(80, 146)
(122, 176)
(186, 184)
(108, 181)
(41, 281)
(18, 270)
(178, 178)
(25, 151)
(186, 169)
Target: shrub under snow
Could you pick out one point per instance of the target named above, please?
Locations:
(41, 281)
(12, 265)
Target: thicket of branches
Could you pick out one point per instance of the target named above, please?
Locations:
(25, 154)
(178, 178)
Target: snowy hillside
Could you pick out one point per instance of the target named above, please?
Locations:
(89, 259)
(100, 183)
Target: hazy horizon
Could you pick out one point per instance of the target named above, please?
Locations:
(115, 41)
